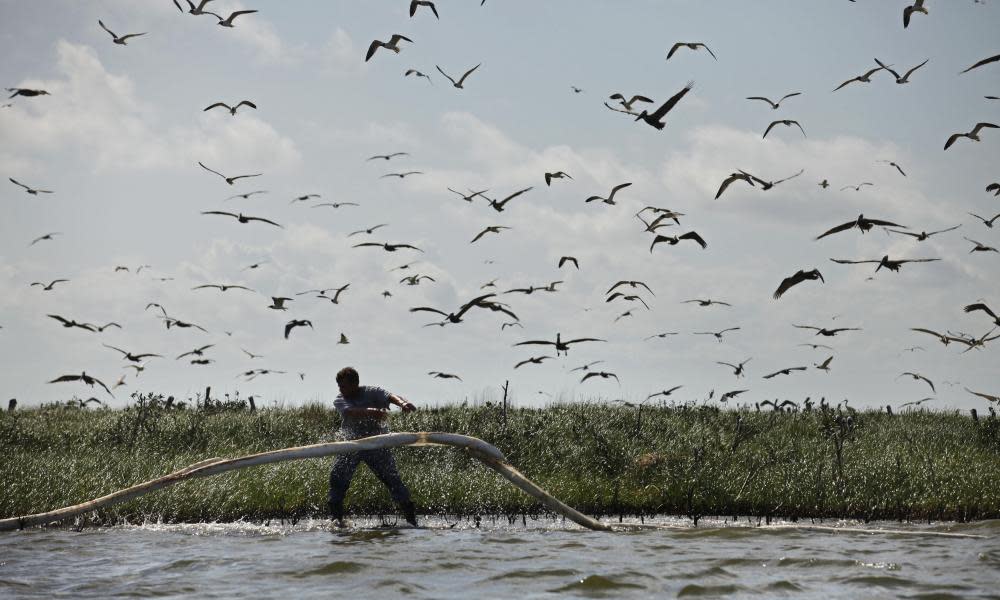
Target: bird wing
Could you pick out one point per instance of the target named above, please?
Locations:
(101, 23)
(210, 170)
(428, 309)
(16, 182)
(246, 103)
(396, 37)
(469, 72)
(886, 67)
(773, 105)
(853, 79)
(244, 176)
(952, 138)
(884, 223)
(217, 104)
(789, 96)
(588, 376)
(979, 126)
(568, 342)
(237, 13)
(705, 46)
(674, 49)
(131, 35)
(907, 75)
(669, 104)
(114, 348)
(801, 171)
(914, 234)
(934, 232)
(536, 342)
(220, 212)
(838, 229)
(693, 235)
(982, 307)
(852, 262)
(766, 131)
(985, 61)
(514, 195)
(263, 220)
(372, 48)
(445, 74)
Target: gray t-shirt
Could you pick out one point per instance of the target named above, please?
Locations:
(368, 396)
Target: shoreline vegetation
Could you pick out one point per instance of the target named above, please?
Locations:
(605, 460)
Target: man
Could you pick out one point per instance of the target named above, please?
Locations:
(364, 411)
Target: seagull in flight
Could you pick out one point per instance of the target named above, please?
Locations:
(229, 180)
(418, 74)
(26, 92)
(402, 175)
(194, 10)
(655, 118)
(786, 122)
(461, 80)
(857, 188)
(414, 4)
(231, 109)
(296, 323)
(691, 46)
(675, 239)
(717, 334)
(918, 377)
(30, 190)
(611, 197)
(827, 332)
(387, 156)
(490, 229)
(48, 287)
(84, 378)
(393, 44)
(557, 175)
(917, 6)
(904, 78)
(228, 21)
(247, 195)
(892, 164)
(775, 105)
(47, 236)
(239, 217)
(499, 205)
(972, 135)
(866, 78)
(979, 246)
(120, 40)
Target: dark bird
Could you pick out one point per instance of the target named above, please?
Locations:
(222, 287)
(861, 223)
(824, 184)
(440, 375)
(656, 117)
(296, 323)
(101, 328)
(734, 177)
(816, 346)
(499, 205)
(993, 187)
(660, 335)
(84, 378)
(368, 231)
(304, 198)
(418, 74)
(575, 89)
(918, 377)
(974, 342)
(343, 339)
(69, 323)
(985, 61)
(278, 302)
(944, 339)
(892, 265)
(775, 105)
(918, 6)
(239, 217)
(30, 190)
(766, 185)
(335, 204)
(611, 197)
(560, 345)
(402, 175)
(121, 40)
(247, 195)
(471, 195)
(417, 3)
(456, 317)
(461, 80)
(717, 334)
(989, 397)
(915, 402)
(631, 284)
(566, 259)
(630, 298)
(787, 371)
(706, 302)
(674, 240)
(857, 188)
(490, 229)
(587, 366)
(136, 358)
(979, 246)
(231, 109)
(972, 135)
(730, 395)
(737, 369)
(866, 78)
(987, 222)
(194, 10)
(537, 360)
(825, 365)
(786, 122)
(691, 46)
(628, 103)
(664, 393)
(416, 279)
(796, 279)
(601, 374)
(229, 180)
(388, 247)
(388, 156)
(892, 164)
(904, 78)
(29, 93)
(228, 21)
(196, 351)
(985, 309)
(557, 175)
(48, 287)
(827, 332)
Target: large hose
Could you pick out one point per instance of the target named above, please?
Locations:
(488, 454)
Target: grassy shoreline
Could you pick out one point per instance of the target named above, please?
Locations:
(602, 459)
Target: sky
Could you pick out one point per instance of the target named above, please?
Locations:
(119, 139)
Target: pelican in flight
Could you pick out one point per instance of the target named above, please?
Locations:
(84, 378)
(229, 180)
(796, 279)
(239, 217)
(388, 156)
(458, 84)
(26, 92)
(119, 39)
(47, 236)
(393, 45)
(691, 46)
(562, 346)
(861, 223)
(232, 109)
(655, 118)
(892, 265)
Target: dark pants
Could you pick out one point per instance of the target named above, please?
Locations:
(379, 461)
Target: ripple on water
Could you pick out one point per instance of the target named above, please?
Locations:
(882, 581)
(337, 567)
(714, 591)
(532, 574)
(598, 586)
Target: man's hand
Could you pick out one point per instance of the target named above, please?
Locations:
(407, 406)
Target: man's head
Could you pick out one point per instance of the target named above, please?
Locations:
(348, 381)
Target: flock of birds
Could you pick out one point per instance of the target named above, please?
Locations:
(654, 221)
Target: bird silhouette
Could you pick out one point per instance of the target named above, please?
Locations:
(84, 378)
(228, 21)
(499, 205)
(601, 374)
(611, 197)
(536, 360)
(392, 44)
(557, 175)
(972, 135)
(418, 74)
(387, 156)
(239, 217)
(892, 265)
(387, 246)
(562, 346)
(787, 123)
(827, 332)
(775, 105)
(676, 239)
(461, 80)
(717, 334)
(26, 92)
(690, 46)
(119, 39)
(918, 377)
(923, 235)
(296, 323)
(787, 371)
(490, 229)
(901, 79)
(917, 6)
(986, 309)
(30, 190)
(229, 180)
(231, 109)
(865, 78)
(47, 287)
(861, 223)
(796, 279)
(655, 118)
(981, 63)
(414, 4)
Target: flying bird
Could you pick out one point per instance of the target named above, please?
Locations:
(440, 375)
(918, 377)
(196, 352)
(536, 360)
(393, 45)
(825, 365)
(734, 177)
(691, 46)
(29, 93)
(490, 229)
(987, 222)
(247, 195)
(655, 118)
(796, 279)
(557, 175)
(730, 395)
(861, 223)
(30, 190)
(905, 78)
(499, 205)
(601, 374)
(892, 164)
(918, 6)
(296, 323)
(786, 122)
(766, 185)
(611, 197)
(660, 335)
(706, 302)
(387, 246)
(866, 78)
(414, 4)
(944, 339)
(737, 369)
(239, 217)
(674, 240)
(631, 284)
(418, 74)
(70, 323)
(136, 358)
(566, 259)
(857, 188)
(222, 287)
(402, 175)
(979, 246)
(387, 156)
(717, 334)
(985, 61)
(456, 317)
(334, 204)
(194, 10)
(471, 195)
(121, 40)
(48, 287)
(892, 265)
(84, 378)
(664, 393)
(228, 21)
(985, 309)
(229, 180)
(972, 135)
(461, 80)
(989, 397)
(627, 104)
(560, 345)
(774, 105)
(787, 371)
(278, 302)
(231, 109)
(368, 231)
(827, 332)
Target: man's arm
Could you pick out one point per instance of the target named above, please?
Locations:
(403, 404)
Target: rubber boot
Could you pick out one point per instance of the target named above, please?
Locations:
(337, 514)
(409, 512)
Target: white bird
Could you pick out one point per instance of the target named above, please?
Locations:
(972, 135)
(119, 39)
(228, 21)
(393, 44)
(461, 80)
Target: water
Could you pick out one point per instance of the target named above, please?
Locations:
(542, 559)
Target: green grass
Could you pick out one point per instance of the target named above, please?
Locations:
(596, 457)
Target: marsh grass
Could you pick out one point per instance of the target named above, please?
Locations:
(602, 459)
